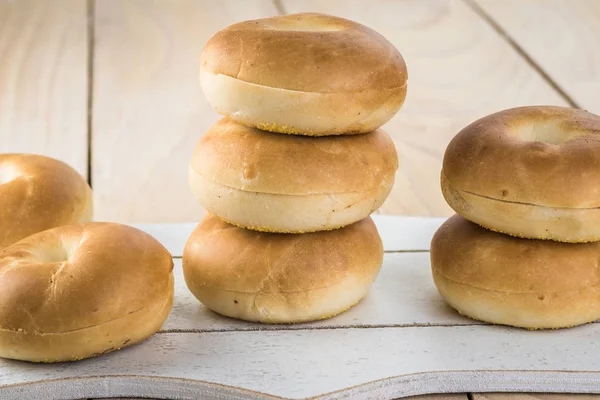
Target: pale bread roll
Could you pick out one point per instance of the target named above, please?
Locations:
(281, 278)
(282, 183)
(308, 74)
(78, 291)
(530, 172)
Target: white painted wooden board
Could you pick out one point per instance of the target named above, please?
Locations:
(400, 341)
(338, 363)
(398, 233)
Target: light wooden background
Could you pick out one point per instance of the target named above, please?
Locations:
(110, 86)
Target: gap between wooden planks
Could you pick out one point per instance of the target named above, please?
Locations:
(561, 37)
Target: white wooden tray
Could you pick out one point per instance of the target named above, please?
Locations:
(401, 340)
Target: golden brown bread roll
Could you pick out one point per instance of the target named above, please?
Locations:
(527, 283)
(282, 183)
(531, 172)
(79, 291)
(281, 278)
(309, 74)
(39, 193)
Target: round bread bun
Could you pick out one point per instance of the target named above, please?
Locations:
(39, 193)
(530, 172)
(295, 184)
(280, 278)
(78, 291)
(534, 284)
(308, 74)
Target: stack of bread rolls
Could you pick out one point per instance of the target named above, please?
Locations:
(71, 288)
(292, 173)
(523, 249)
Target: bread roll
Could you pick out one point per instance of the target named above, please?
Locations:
(308, 74)
(530, 172)
(39, 193)
(534, 284)
(281, 278)
(79, 291)
(279, 183)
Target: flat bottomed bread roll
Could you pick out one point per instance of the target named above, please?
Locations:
(281, 278)
(39, 193)
(530, 172)
(281, 183)
(79, 291)
(527, 283)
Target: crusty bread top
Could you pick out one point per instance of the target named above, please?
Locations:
(541, 155)
(253, 160)
(469, 254)
(241, 260)
(39, 193)
(77, 276)
(306, 52)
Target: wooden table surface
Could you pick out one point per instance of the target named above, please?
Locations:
(110, 86)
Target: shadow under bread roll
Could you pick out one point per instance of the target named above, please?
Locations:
(294, 184)
(78, 291)
(281, 278)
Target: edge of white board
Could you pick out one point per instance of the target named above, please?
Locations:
(424, 383)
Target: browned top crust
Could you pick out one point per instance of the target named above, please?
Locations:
(226, 257)
(541, 155)
(253, 160)
(306, 52)
(77, 276)
(469, 254)
(39, 193)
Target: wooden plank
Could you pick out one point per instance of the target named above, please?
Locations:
(562, 37)
(421, 397)
(43, 79)
(332, 363)
(402, 295)
(148, 107)
(454, 396)
(533, 396)
(459, 69)
(397, 233)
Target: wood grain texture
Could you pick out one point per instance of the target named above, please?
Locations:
(533, 396)
(561, 36)
(397, 233)
(459, 69)
(43, 79)
(403, 295)
(148, 107)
